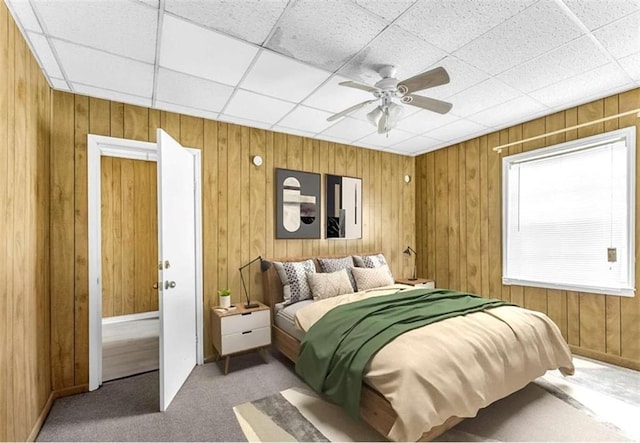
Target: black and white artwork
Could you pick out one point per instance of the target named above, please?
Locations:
(297, 204)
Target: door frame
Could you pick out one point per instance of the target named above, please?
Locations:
(99, 146)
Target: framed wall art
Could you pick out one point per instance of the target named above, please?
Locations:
(297, 204)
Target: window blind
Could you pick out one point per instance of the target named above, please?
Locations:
(568, 216)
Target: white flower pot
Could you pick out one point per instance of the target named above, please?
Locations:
(225, 300)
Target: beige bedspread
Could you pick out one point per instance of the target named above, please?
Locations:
(457, 366)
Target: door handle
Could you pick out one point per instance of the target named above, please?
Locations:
(169, 284)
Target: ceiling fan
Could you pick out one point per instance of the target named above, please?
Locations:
(386, 115)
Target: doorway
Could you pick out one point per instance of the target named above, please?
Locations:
(99, 147)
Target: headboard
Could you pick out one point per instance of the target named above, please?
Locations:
(271, 284)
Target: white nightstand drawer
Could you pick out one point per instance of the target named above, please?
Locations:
(241, 341)
(245, 322)
(428, 285)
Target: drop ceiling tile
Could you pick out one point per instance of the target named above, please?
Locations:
(243, 121)
(257, 107)
(451, 24)
(45, 56)
(250, 20)
(581, 87)
(334, 98)
(111, 95)
(23, 13)
(482, 96)
(387, 9)
(631, 64)
(330, 138)
(518, 109)
(187, 110)
(392, 137)
(105, 71)
(461, 76)
(306, 119)
(194, 92)
(292, 131)
(124, 27)
(540, 28)
(59, 84)
(283, 77)
(417, 144)
(191, 49)
(458, 130)
(621, 38)
(411, 58)
(595, 14)
(423, 121)
(324, 34)
(349, 129)
(567, 61)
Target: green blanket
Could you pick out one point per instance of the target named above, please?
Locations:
(338, 347)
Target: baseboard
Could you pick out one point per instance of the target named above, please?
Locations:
(64, 392)
(607, 358)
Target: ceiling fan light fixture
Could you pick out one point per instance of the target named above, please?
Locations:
(375, 115)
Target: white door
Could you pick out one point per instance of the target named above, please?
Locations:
(177, 253)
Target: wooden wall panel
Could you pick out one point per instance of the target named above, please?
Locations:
(238, 207)
(129, 236)
(25, 335)
(600, 326)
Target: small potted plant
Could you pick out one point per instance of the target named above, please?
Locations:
(224, 295)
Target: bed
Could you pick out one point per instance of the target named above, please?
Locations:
(481, 345)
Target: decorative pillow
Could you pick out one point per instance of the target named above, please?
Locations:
(329, 284)
(294, 274)
(369, 278)
(369, 261)
(335, 264)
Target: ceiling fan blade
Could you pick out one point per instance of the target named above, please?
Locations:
(435, 77)
(350, 110)
(430, 104)
(357, 85)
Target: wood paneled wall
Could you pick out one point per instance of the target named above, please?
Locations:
(238, 206)
(25, 381)
(129, 236)
(458, 230)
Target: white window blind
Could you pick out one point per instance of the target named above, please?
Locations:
(568, 215)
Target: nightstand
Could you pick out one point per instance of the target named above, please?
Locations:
(241, 330)
(418, 283)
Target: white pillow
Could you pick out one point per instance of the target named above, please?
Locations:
(369, 278)
(369, 261)
(329, 284)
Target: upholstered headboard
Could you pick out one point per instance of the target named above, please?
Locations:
(272, 286)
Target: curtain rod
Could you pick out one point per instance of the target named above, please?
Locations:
(499, 149)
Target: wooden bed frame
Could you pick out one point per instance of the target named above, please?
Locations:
(374, 408)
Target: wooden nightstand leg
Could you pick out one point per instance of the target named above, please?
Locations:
(263, 353)
(226, 365)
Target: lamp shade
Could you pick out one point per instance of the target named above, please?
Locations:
(374, 116)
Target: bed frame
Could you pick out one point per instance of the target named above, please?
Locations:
(374, 408)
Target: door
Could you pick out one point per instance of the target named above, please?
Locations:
(177, 270)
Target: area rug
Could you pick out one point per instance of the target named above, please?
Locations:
(531, 414)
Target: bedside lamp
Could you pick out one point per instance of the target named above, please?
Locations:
(408, 252)
(264, 266)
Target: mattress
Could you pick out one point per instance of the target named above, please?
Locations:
(284, 317)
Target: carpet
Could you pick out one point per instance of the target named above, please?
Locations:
(538, 412)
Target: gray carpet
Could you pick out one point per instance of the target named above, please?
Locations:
(127, 409)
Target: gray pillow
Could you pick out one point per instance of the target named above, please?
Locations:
(335, 264)
(369, 261)
(294, 274)
(329, 284)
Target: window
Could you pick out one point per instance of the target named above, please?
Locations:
(568, 215)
